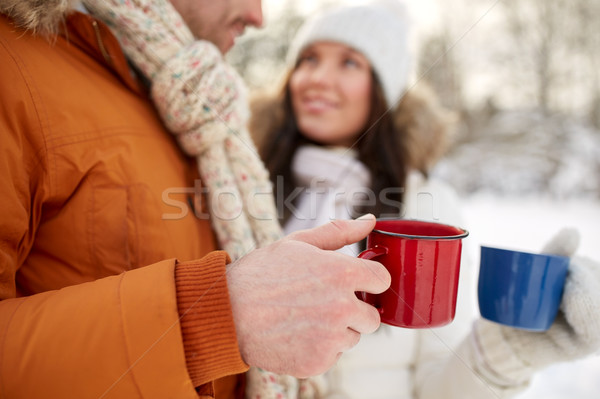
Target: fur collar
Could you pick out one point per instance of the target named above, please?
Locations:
(39, 16)
(427, 125)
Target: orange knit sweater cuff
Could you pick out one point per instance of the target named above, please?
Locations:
(209, 338)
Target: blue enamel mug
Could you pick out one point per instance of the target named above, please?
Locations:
(520, 289)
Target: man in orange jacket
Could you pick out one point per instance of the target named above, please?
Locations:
(102, 295)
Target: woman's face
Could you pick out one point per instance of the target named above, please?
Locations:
(331, 93)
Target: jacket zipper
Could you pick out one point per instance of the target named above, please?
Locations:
(101, 43)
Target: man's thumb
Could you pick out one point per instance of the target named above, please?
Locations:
(338, 233)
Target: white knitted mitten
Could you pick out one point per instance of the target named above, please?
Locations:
(509, 357)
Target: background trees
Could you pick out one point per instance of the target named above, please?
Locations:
(524, 75)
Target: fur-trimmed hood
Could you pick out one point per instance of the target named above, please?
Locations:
(40, 16)
(426, 124)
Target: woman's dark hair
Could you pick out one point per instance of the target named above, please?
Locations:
(380, 146)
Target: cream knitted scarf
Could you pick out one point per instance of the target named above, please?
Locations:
(202, 102)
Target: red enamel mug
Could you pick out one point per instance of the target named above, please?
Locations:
(423, 259)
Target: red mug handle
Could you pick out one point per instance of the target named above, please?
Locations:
(371, 253)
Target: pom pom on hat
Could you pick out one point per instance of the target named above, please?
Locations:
(379, 30)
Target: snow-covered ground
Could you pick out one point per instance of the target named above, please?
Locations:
(526, 224)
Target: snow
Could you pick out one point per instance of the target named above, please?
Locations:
(526, 152)
(526, 224)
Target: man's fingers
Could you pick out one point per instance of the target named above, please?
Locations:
(366, 319)
(353, 338)
(371, 276)
(336, 234)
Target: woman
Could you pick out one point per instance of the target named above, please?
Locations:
(338, 109)
(347, 135)
(357, 145)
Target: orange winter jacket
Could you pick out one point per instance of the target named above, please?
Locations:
(92, 189)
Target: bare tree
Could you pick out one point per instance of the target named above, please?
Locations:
(553, 48)
(438, 66)
(587, 43)
(260, 55)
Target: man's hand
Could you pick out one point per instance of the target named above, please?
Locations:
(294, 301)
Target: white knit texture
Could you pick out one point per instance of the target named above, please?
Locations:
(514, 355)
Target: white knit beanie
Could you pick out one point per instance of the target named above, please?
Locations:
(379, 30)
